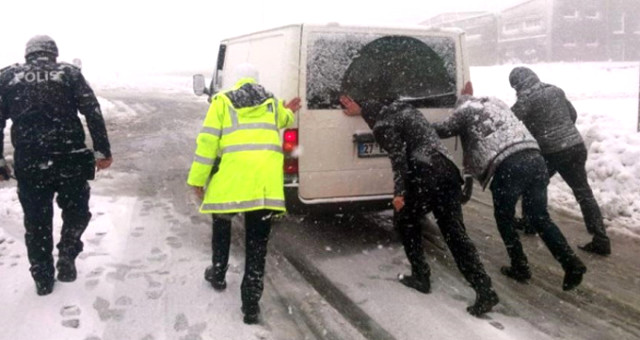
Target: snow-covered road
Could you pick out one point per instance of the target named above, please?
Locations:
(140, 276)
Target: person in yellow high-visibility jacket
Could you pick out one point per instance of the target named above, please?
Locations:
(241, 129)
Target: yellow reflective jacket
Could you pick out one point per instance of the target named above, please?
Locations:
(242, 127)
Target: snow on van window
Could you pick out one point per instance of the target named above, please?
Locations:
(427, 73)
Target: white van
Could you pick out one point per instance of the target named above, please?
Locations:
(332, 161)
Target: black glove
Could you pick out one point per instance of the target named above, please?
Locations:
(467, 190)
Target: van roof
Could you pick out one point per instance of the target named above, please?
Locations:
(416, 27)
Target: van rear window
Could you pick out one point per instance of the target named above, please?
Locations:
(421, 70)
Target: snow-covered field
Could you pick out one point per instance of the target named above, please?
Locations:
(606, 98)
(133, 83)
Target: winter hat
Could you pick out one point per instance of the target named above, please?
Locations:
(522, 77)
(41, 43)
(245, 70)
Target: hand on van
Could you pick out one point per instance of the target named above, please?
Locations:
(293, 105)
(398, 203)
(351, 108)
(199, 191)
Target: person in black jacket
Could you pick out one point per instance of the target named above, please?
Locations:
(498, 149)
(550, 117)
(42, 98)
(425, 180)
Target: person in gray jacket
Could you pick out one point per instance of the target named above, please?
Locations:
(498, 149)
(547, 113)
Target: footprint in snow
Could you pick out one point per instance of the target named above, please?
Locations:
(70, 316)
(174, 242)
(193, 332)
(105, 313)
(497, 325)
(157, 255)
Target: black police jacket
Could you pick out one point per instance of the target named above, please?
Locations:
(43, 98)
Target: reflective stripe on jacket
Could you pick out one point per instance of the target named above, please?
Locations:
(247, 138)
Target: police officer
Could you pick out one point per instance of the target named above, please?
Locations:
(241, 128)
(42, 97)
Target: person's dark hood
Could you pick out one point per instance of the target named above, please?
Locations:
(522, 78)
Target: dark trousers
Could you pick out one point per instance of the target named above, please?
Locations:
(436, 188)
(257, 230)
(36, 198)
(525, 174)
(570, 164)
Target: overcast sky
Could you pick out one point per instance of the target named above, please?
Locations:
(129, 35)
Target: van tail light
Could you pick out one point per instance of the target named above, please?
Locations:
(290, 141)
(291, 166)
(289, 146)
(468, 89)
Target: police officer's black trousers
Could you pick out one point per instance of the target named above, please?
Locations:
(525, 174)
(36, 198)
(257, 230)
(570, 164)
(436, 187)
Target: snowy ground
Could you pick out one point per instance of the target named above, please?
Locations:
(160, 280)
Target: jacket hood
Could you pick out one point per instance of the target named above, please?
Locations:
(372, 111)
(522, 78)
(247, 93)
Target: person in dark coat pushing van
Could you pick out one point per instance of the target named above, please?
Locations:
(548, 114)
(498, 149)
(425, 180)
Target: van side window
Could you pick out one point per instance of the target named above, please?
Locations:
(368, 65)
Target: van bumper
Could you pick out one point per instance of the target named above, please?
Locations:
(297, 205)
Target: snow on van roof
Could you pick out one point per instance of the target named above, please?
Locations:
(388, 26)
(417, 27)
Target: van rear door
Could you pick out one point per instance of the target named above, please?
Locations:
(338, 160)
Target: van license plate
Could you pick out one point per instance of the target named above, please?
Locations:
(367, 149)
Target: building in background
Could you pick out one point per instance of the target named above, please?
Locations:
(551, 30)
(481, 30)
(624, 29)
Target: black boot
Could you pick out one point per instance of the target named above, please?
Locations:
(485, 300)
(44, 286)
(521, 274)
(599, 245)
(216, 277)
(420, 283)
(419, 278)
(251, 313)
(573, 274)
(66, 267)
(42, 274)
